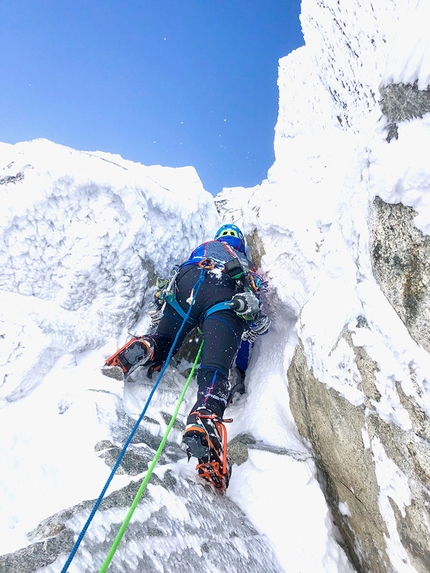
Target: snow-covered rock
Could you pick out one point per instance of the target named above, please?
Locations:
(84, 235)
(342, 223)
(330, 444)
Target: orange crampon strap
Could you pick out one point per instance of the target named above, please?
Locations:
(213, 417)
(211, 472)
(114, 360)
(217, 472)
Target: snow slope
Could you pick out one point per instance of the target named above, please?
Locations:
(80, 252)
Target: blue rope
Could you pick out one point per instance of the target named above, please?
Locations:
(194, 290)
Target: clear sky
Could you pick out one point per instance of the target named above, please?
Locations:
(170, 82)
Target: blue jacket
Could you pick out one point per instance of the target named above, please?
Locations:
(220, 251)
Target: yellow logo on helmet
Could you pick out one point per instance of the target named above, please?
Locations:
(229, 233)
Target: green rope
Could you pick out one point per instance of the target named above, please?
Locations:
(145, 481)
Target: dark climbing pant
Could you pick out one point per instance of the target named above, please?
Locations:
(221, 332)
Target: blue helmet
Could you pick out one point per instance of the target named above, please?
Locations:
(231, 235)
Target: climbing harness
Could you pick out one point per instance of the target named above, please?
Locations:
(235, 271)
(169, 296)
(196, 289)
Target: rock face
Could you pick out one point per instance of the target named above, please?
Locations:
(358, 378)
(180, 523)
(333, 426)
(372, 444)
(336, 430)
(400, 257)
(352, 442)
(227, 543)
(355, 443)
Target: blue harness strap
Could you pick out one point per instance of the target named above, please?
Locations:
(171, 299)
(205, 264)
(224, 305)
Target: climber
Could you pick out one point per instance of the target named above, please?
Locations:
(224, 292)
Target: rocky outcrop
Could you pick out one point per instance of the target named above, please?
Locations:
(402, 102)
(185, 525)
(400, 258)
(347, 440)
(227, 541)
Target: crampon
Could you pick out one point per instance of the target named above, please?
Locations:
(135, 352)
(206, 439)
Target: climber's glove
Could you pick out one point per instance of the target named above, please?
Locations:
(246, 305)
(257, 328)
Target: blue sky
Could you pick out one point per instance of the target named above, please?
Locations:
(170, 82)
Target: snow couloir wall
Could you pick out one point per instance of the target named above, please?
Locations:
(84, 236)
(341, 229)
(84, 242)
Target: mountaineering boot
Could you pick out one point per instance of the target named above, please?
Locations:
(201, 435)
(136, 352)
(205, 438)
(237, 383)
